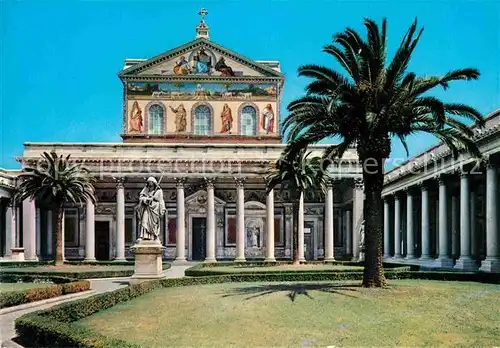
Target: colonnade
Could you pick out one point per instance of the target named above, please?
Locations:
(31, 221)
(467, 212)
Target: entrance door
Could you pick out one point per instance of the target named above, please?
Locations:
(199, 232)
(309, 240)
(102, 240)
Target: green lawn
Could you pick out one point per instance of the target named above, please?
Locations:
(6, 287)
(408, 313)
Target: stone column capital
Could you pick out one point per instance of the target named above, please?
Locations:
(358, 183)
(120, 182)
(180, 181)
(330, 182)
(441, 179)
(240, 181)
(409, 190)
(464, 174)
(490, 163)
(209, 182)
(423, 185)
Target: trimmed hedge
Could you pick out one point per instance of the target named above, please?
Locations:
(60, 286)
(204, 270)
(93, 274)
(77, 275)
(54, 328)
(20, 264)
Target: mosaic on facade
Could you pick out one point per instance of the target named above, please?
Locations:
(201, 61)
(226, 119)
(136, 120)
(202, 91)
(180, 117)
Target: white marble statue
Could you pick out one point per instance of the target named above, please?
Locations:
(253, 234)
(150, 209)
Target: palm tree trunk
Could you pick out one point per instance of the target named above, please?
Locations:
(373, 214)
(58, 240)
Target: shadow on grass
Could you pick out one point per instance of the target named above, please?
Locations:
(292, 290)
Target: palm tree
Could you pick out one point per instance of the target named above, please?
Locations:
(371, 102)
(301, 175)
(54, 182)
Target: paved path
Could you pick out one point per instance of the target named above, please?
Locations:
(7, 331)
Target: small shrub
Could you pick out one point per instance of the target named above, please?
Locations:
(61, 286)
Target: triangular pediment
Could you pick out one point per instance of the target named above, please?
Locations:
(201, 58)
(200, 198)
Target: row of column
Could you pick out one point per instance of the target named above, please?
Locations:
(467, 214)
(31, 231)
(31, 241)
(240, 222)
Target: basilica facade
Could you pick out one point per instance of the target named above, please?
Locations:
(204, 121)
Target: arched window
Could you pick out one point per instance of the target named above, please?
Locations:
(202, 120)
(156, 119)
(248, 120)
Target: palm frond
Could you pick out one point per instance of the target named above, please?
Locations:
(55, 180)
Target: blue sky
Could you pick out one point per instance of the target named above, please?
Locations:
(59, 59)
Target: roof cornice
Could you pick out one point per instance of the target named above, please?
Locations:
(440, 151)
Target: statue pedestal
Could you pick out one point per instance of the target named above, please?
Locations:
(148, 261)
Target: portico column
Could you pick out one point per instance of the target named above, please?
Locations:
(455, 251)
(357, 217)
(210, 256)
(240, 220)
(50, 233)
(473, 237)
(29, 229)
(120, 221)
(397, 227)
(270, 227)
(90, 231)
(38, 229)
(410, 230)
(465, 261)
(443, 259)
(387, 229)
(134, 226)
(10, 229)
(348, 232)
(329, 250)
(492, 261)
(180, 246)
(301, 227)
(425, 225)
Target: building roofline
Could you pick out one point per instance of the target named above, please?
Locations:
(488, 117)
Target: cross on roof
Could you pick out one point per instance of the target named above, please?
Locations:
(203, 13)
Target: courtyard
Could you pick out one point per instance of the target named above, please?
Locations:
(198, 195)
(411, 313)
